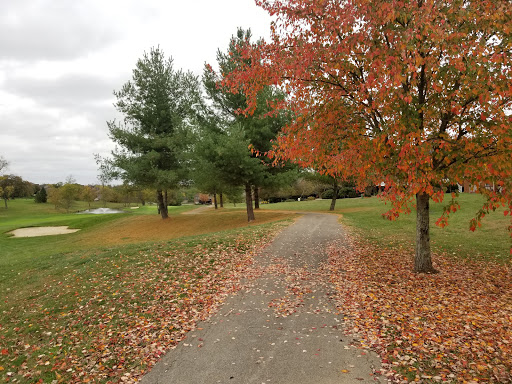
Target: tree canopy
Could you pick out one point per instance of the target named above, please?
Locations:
(12, 186)
(416, 95)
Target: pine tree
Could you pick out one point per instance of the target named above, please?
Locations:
(154, 136)
(41, 196)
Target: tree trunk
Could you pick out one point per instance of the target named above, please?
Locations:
(248, 203)
(334, 195)
(162, 206)
(5, 201)
(256, 197)
(215, 200)
(102, 197)
(166, 201)
(422, 259)
(221, 200)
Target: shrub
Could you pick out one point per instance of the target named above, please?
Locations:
(348, 192)
(327, 194)
(41, 196)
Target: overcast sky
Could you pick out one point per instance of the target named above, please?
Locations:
(60, 61)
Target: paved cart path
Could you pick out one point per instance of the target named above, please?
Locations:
(280, 328)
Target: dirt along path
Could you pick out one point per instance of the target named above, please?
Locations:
(198, 210)
(281, 327)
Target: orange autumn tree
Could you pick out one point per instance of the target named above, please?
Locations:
(413, 94)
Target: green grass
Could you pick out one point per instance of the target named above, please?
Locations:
(492, 240)
(45, 281)
(62, 307)
(27, 261)
(152, 209)
(20, 254)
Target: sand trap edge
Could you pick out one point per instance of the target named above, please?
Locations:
(41, 231)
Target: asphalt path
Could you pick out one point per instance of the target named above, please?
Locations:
(282, 327)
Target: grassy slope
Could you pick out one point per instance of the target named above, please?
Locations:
(365, 215)
(34, 252)
(21, 257)
(50, 284)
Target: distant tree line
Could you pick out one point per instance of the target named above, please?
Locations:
(14, 187)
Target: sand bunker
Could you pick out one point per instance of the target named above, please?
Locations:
(42, 231)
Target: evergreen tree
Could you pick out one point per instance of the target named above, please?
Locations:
(41, 196)
(223, 161)
(154, 137)
(255, 131)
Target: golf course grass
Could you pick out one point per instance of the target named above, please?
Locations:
(108, 300)
(99, 233)
(364, 215)
(59, 292)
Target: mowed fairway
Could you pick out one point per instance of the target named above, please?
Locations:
(103, 304)
(99, 231)
(364, 215)
(144, 228)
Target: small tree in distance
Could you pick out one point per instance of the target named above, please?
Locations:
(88, 194)
(41, 196)
(54, 196)
(3, 164)
(64, 195)
(6, 193)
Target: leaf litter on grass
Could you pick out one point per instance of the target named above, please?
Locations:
(111, 321)
(454, 326)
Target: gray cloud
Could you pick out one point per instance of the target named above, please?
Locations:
(45, 147)
(51, 30)
(67, 91)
